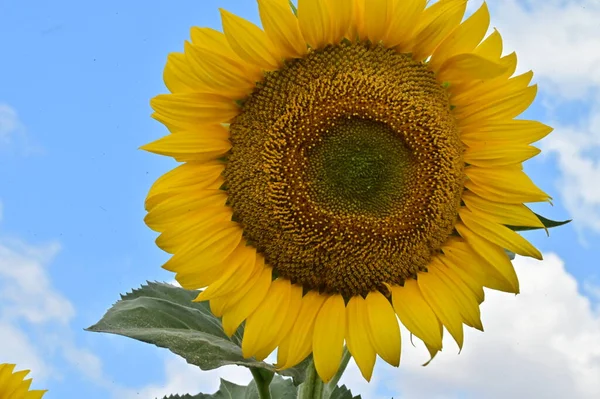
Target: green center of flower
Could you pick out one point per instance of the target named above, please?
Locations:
(359, 166)
(346, 168)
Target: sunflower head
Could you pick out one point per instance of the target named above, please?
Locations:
(347, 165)
(13, 384)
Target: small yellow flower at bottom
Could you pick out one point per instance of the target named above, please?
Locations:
(14, 386)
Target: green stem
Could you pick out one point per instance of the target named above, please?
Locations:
(331, 385)
(262, 381)
(314, 388)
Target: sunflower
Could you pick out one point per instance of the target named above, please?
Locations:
(350, 164)
(14, 386)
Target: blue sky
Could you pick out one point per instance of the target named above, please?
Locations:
(75, 84)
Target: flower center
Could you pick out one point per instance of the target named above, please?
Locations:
(346, 168)
(358, 167)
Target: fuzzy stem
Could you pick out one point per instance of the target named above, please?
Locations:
(262, 383)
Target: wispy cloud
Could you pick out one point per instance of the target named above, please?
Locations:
(182, 378)
(35, 317)
(14, 135)
(9, 123)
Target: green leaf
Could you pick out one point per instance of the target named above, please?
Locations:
(341, 392)
(545, 221)
(281, 388)
(165, 316)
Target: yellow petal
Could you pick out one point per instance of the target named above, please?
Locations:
(6, 372)
(480, 96)
(357, 336)
(299, 345)
(289, 316)
(187, 177)
(441, 300)
(460, 255)
(465, 298)
(491, 47)
(239, 267)
(265, 322)
(505, 108)
(509, 63)
(328, 337)
(216, 43)
(436, 23)
(208, 253)
(177, 237)
(491, 154)
(340, 14)
(463, 39)
(178, 208)
(14, 380)
(21, 388)
(282, 28)
(498, 234)
(383, 329)
(469, 67)
(35, 394)
(506, 214)
(464, 278)
(506, 131)
(179, 77)
(188, 110)
(189, 147)
(377, 18)
(212, 40)
(220, 305)
(509, 184)
(402, 23)
(225, 76)
(494, 255)
(357, 30)
(249, 42)
(236, 314)
(416, 314)
(315, 22)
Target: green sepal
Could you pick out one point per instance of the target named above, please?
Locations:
(545, 221)
(294, 9)
(165, 316)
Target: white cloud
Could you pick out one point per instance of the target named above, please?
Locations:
(557, 39)
(543, 343)
(13, 133)
(17, 348)
(9, 122)
(577, 150)
(182, 378)
(35, 317)
(25, 289)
